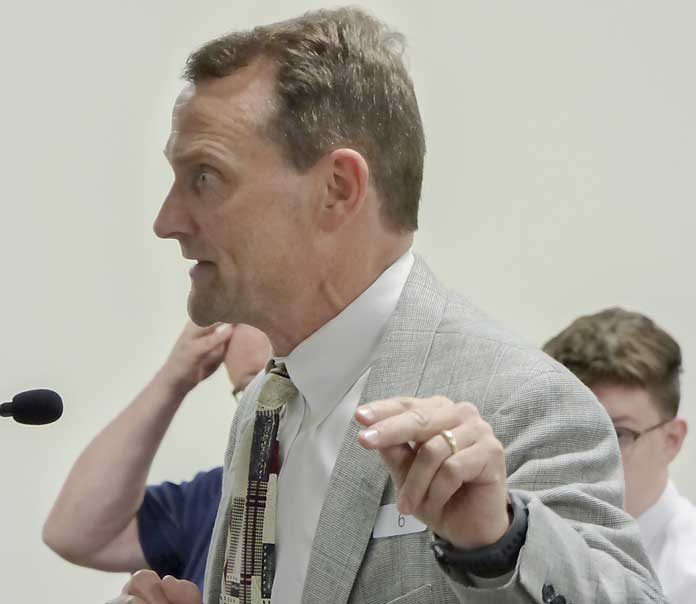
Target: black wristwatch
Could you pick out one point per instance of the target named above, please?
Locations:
(491, 560)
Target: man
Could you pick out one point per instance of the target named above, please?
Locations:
(297, 150)
(105, 517)
(633, 367)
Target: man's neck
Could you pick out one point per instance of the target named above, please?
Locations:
(318, 304)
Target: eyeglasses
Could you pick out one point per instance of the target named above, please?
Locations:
(628, 437)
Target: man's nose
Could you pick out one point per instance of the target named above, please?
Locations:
(171, 221)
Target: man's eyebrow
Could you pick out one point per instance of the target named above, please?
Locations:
(194, 153)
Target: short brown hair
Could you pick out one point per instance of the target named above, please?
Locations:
(341, 81)
(616, 346)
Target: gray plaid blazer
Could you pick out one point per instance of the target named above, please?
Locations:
(562, 459)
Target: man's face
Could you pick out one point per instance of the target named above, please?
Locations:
(236, 206)
(645, 460)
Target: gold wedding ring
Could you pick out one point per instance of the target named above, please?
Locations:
(451, 441)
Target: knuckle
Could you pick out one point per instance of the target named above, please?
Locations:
(451, 469)
(407, 404)
(468, 409)
(429, 451)
(497, 475)
(420, 418)
(484, 428)
(440, 401)
(493, 447)
(143, 577)
(498, 448)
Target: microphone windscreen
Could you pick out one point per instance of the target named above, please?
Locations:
(36, 407)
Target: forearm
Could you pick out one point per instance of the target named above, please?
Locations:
(105, 486)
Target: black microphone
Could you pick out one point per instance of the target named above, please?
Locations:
(34, 407)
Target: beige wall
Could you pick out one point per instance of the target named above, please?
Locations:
(560, 180)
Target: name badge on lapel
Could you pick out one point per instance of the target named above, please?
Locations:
(391, 523)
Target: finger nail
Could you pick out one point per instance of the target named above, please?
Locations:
(366, 413)
(370, 436)
(223, 327)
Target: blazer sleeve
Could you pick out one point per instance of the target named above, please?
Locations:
(564, 461)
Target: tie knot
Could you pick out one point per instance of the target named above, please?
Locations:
(277, 390)
(277, 368)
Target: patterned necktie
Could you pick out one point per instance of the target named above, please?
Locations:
(249, 565)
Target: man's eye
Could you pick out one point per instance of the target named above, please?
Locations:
(203, 179)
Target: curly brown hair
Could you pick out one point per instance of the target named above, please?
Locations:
(616, 346)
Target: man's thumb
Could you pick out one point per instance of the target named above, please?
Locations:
(180, 592)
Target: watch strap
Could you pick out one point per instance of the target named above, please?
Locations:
(488, 561)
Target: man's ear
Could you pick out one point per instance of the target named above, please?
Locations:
(675, 432)
(347, 178)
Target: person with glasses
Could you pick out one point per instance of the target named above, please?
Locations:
(633, 368)
(106, 516)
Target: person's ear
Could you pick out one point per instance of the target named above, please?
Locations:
(346, 183)
(675, 433)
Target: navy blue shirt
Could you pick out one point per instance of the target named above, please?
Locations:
(175, 524)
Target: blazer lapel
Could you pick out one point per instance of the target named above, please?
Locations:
(359, 476)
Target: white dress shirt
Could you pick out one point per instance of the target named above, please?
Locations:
(668, 530)
(329, 369)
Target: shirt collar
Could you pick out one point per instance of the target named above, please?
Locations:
(653, 520)
(325, 365)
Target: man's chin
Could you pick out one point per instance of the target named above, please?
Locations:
(200, 312)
